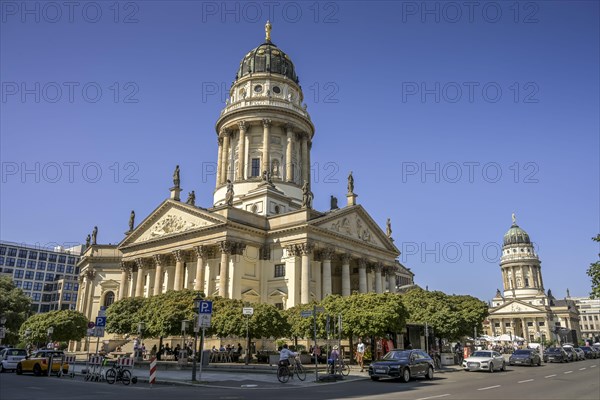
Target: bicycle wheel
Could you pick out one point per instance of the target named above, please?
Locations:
(345, 369)
(126, 377)
(111, 376)
(300, 372)
(283, 374)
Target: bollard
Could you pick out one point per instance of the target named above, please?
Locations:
(152, 371)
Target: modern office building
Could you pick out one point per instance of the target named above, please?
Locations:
(48, 276)
(589, 317)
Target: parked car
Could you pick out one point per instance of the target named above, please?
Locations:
(580, 354)
(589, 352)
(556, 354)
(10, 357)
(403, 364)
(570, 353)
(525, 357)
(38, 363)
(484, 360)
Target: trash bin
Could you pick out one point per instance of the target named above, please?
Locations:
(205, 357)
(447, 359)
(182, 357)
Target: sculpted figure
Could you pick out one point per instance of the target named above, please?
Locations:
(229, 194)
(388, 228)
(307, 196)
(350, 183)
(191, 198)
(131, 220)
(94, 235)
(88, 240)
(176, 177)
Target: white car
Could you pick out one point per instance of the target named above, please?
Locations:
(9, 358)
(484, 360)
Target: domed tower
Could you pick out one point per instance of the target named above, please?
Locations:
(521, 267)
(264, 135)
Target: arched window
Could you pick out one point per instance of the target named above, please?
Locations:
(109, 298)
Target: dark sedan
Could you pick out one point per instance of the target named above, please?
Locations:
(589, 352)
(557, 354)
(403, 364)
(525, 357)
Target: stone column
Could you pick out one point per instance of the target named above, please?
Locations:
(306, 251)
(178, 280)
(225, 160)
(264, 256)
(266, 161)
(289, 167)
(158, 274)
(308, 148)
(202, 256)
(141, 275)
(304, 158)
(124, 280)
(391, 282)
(89, 276)
(378, 278)
(225, 247)
(326, 254)
(80, 294)
(219, 161)
(235, 287)
(346, 274)
(362, 275)
(241, 151)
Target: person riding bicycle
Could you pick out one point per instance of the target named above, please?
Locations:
(285, 354)
(334, 356)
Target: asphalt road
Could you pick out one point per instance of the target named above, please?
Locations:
(580, 380)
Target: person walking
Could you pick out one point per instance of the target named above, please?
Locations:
(360, 354)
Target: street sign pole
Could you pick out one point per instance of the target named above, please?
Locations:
(201, 352)
(315, 348)
(195, 354)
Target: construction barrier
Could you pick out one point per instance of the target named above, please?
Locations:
(95, 367)
(125, 362)
(153, 371)
(68, 359)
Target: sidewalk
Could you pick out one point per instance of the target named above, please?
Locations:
(237, 375)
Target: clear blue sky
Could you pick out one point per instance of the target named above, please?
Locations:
(501, 101)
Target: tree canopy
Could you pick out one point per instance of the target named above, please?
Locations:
(594, 273)
(123, 316)
(67, 324)
(15, 306)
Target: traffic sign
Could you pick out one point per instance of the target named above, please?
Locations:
(305, 314)
(91, 331)
(204, 320)
(248, 311)
(101, 322)
(98, 331)
(91, 324)
(205, 307)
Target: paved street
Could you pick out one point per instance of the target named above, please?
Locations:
(579, 380)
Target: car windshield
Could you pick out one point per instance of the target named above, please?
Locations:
(397, 355)
(482, 354)
(568, 349)
(522, 352)
(16, 352)
(553, 350)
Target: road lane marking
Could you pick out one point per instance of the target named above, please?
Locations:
(568, 372)
(526, 380)
(593, 366)
(581, 369)
(489, 387)
(550, 376)
(434, 397)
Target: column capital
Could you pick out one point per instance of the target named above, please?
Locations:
(90, 274)
(289, 128)
(202, 251)
(345, 257)
(292, 250)
(125, 266)
(305, 248)
(301, 135)
(158, 259)
(80, 279)
(140, 263)
(327, 253)
(226, 246)
(242, 125)
(238, 248)
(362, 263)
(267, 122)
(178, 254)
(224, 133)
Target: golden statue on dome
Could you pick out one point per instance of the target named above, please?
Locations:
(268, 31)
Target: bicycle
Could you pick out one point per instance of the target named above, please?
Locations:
(340, 367)
(118, 373)
(284, 372)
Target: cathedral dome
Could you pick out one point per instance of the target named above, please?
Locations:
(267, 58)
(516, 235)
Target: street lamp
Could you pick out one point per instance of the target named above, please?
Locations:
(141, 327)
(50, 331)
(2, 322)
(197, 301)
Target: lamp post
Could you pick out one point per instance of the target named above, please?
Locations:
(2, 332)
(27, 336)
(50, 331)
(141, 327)
(197, 301)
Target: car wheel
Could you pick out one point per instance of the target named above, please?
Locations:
(503, 367)
(491, 367)
(19, 369)
(405, 375)
(374, 378)
(37, 370)
(539, 364)
(429, 373)
(2, 368)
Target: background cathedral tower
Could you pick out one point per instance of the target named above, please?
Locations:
(264, 135)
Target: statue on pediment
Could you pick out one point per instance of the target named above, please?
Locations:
(176, 179)
(191, 200)
(350, 183)
(334, 204)
(131, 220)
(94, 235)
(229, 194)
(388, 228)
(88, 239)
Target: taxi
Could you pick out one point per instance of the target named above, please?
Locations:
(38, 363)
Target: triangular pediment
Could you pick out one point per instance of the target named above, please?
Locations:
(355, 223)
(516, 306)
(171, 218)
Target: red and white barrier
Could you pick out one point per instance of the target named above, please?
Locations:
(70, 359)
(96, 360)
(125, 362)
(153, 371)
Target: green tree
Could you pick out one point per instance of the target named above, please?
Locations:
(15, 306)
(123, 316)
(299, 327)
(163, 314)
(594, 273)
(68, 325)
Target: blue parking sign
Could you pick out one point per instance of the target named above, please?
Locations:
(101, 322)
(205, 307)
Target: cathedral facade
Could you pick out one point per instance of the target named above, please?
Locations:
(261, 240)
(523, 309)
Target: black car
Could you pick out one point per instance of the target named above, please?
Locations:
(525, 357)
(571, 353)
(589, 352)
(557, 354)
(403, 364)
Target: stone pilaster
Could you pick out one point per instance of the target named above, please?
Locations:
(346, 274)
(225, 160)
(241, 151)
(158, 274)
(306, 251)
(141, 275)
(226, 249)
(304, 158)
(220, 161)
(124, 284)
(266, 166)
(201, 258)
(289, 166)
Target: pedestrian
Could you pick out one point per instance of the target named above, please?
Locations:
(360, 354)
(334, 356)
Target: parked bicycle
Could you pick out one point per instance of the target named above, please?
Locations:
(118, 373)
(341, 367)
(284, 372)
